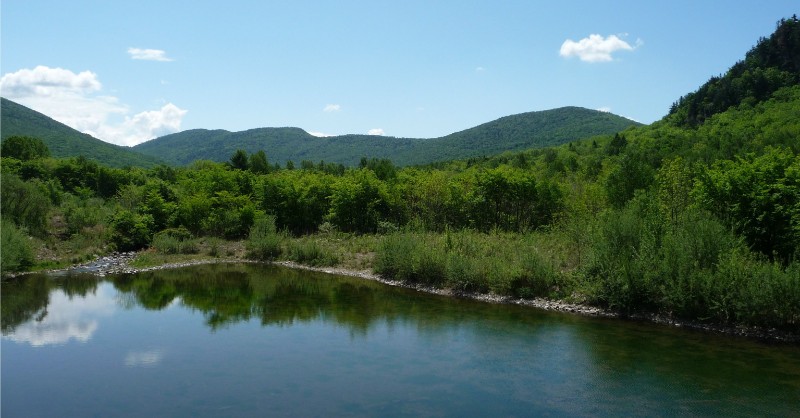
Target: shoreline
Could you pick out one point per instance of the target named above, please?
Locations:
(119, 263)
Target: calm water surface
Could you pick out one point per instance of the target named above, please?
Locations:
(249, 340)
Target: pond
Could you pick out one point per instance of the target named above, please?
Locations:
(255, 340)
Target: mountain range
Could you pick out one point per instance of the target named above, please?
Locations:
(63, 141)
(510, 133)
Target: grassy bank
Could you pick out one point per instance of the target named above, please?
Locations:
(695, 270)
(692, 270)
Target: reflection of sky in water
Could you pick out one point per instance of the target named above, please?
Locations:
(147, 358)
(66, 319)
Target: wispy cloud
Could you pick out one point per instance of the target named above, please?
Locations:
(604, 109)
(76, 100)
(376, 131)
(332, 108)
(319, 134)
(480, 69)
(148, 54)
(595, 48)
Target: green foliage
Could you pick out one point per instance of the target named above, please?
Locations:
(258, 162)
(80, 214)
(468, 261)
(175, 241)
(311, 253)
(264, 242)
(131, 231)
(771, 65)
(359, 201)
(630, 175)
(24, 204)
(760, 198)
(16, 254)
(239, 160)
(24, 148)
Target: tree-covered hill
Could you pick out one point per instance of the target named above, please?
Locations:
(510, 133)
(772, 64)
(63, 141)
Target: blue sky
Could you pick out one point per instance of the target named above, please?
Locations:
(130, 71)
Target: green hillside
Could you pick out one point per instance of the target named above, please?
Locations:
(63, 141)
(774, 63)
(510, 133)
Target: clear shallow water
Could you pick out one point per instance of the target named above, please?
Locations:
(249, 340)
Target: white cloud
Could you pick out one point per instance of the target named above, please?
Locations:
(46, 81)
(376, 131)
(604, 109)
(148, 54)
(480, 69)
(319, 134)
(76, 101)
(595, 48)
(332, 108)
(143, 126)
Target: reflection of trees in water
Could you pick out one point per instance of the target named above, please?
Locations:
(229, 293)
(26, 297)
(23, 299)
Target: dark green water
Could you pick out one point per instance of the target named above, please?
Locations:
(248, 340)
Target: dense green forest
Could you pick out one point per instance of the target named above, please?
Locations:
(63, 141)
(696, 219)
(510, 133)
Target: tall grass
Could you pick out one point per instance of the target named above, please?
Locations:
(265, 241)
(175, 241)
(505, 264)
(310, 252)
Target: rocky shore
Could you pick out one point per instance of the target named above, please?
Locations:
(119, 263)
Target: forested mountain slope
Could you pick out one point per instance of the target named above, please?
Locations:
(510, 133)
(63, 141)
(772, 64)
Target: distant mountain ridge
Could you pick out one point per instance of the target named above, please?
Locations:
(63, 141)
(509, 133)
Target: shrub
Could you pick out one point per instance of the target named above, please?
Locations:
(16, 254)
(311, 253)
(131, 231)
(264, 242)
(175, 241)
(537, 277)
(395, 256)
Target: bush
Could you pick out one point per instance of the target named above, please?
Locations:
(131, 231)
(16, 254)
(395, 256)
(537, 277)
(311, 253)
(24, 204)
(175, 241)
(264, 242)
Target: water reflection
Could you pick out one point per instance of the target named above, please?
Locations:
(36, 315)
(146, 358)
(250, 335)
